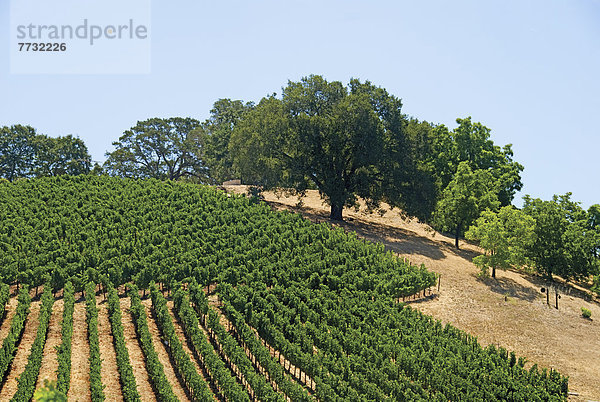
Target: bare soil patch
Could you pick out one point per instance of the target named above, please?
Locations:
(509, 311)
(110, 372)
(53, 340)
(136, 356)
(79, 389)
(22, 354)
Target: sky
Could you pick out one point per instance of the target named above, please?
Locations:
(528, 70)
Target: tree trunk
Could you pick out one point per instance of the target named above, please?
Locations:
(457, 235)
(336, 212)
(493, 272)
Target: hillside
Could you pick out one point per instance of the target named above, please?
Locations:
(509, 311)
(246, 303)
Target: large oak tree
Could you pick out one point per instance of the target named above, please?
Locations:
(346, 141)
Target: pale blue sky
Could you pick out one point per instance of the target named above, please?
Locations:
(526, 69)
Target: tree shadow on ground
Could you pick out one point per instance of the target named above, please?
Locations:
(563, 287)
(508, 287)
(395, 239)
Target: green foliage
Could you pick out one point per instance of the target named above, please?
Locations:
(96, 386)
(594, 216)
(128, 384)
(78, 227)
(17, 325)
(160, 383)
(28, 377)
(195, 384)
(470, 142)
(24, 153)
(4, 297)
(321, 297)
(594, 224)
(504, 236)
(426, 181)
(158, 148)
(17, 151)
(586, 313)
(347, 142)
(233, 352)
(596, 284)
(468, 194)
(61, 155)
(406, 282)
(63, 352)
(425, 360)
(215, 135)
(49, 393)
(248, 339)
(566, 244)
(219, 373)
(439, 152)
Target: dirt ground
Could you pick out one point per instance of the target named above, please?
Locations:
(22, 354)
(110, 377)
(79, 389)
(53, 339)
(509, 311)
(136, 356)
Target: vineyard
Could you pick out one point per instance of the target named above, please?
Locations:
(136, 290)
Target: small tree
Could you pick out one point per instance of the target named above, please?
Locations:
(504, 236)
(468, 194)
(143, 279)
(566, 241)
